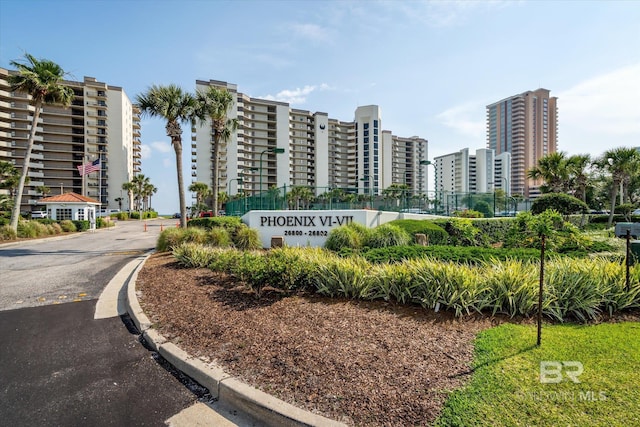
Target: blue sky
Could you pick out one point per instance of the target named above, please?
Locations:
(432, 67)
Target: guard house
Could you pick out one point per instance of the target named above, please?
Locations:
(70, 206)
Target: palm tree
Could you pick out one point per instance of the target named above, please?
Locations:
(10, 178)
(140, 182)
(553, 170)
(119, 201)
(43, 189)
(223, 198)
(129, 187)
(214, 104)
(202, 191)
(300, 194)
(579, 179)
(42, 80)
(622, 163)
(149, 190)
(176, 107)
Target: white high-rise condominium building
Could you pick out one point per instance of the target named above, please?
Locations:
(524, 125)
(461, 172)
(316, 151)
(100, 123)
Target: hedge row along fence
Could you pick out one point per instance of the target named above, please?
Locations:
(575, 289)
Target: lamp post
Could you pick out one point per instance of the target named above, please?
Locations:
(368, 177)
(268, 150)
(239, 181)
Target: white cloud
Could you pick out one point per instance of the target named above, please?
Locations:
(312, 32)
(296, 96)
(145, 151)
(603, 108)
(441, 14)
(466, 119)
(163, 147)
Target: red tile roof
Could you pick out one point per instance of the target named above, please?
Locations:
(69, 198)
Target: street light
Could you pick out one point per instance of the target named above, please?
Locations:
(268, 150)
(368, 177)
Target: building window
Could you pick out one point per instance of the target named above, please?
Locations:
(63, 214)
(366, 125)
(375, 123)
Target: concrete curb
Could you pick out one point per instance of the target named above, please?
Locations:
(227, 389)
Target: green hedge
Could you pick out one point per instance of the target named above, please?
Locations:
(493, 230)
(435, 233)
(229, 222)
(459, 254)
(145, 214)
(81, 225)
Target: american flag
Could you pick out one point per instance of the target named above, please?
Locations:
(87, 168)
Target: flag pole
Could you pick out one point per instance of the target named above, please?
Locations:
(100, 181)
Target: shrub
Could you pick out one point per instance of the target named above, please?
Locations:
(246, 238)
(169, 239)
(229, 222)
(461, 231)
(344, 277)
(57, 229)
(435, 233)
(194, 255)
(468, 213)
(493, 230)
(81, 225)
(7, 233)
(195, 235)
(484, 208)
(219, 236)
(31, 229)
(251, 268)
(67, 226)
(122, 216)
(513, 287)
(563, 203)
(346, 236)
(387, 235)
(292, 268)
(459, 254)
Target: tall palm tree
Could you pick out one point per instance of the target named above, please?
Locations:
(42, 79)
(129, 187)
(622, 163)
(577, 166)
(149, 190)
(214, 104)
(140, 182)
(553, 170)
(176, 107)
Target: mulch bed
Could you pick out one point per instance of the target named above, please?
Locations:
(359, 362)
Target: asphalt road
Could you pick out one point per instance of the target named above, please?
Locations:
(59, 366)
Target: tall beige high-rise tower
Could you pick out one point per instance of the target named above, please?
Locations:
(525, 125)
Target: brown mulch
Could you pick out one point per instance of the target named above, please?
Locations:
(363, 363)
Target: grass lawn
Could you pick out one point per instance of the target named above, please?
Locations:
(506, 389)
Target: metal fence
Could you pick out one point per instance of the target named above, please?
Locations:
(324, 198)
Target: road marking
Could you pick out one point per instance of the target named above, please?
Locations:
(62, 297)
(83, 294)
(42, 299)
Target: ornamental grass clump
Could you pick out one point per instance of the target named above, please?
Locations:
(512, 287)
(7, 233)
(293, 268)
(343, 277)
(450, 286)
(169, 239)
(246, 239)
(68, 226)
(392, 282)
(351, 236)
(219, 236)
(195, 255)
(387, 235)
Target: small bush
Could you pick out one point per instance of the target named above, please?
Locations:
(484, 208)
(563, 203)
(122, 216)
(462, 232)
(169, 239)
(195, 235)
(387, 235)
(81, 225)
(246, 238)
(7, 233)
(31, 229)
(435, 233)
(493, 230)
(194, 255)
(469, 213)
(229, 222)
(351, 236)
(219, 236)
(68, 226)
(458, 254)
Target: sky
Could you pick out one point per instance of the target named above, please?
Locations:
(431, 66)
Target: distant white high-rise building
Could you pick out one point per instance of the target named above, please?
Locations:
(317, 151)
(101, 123)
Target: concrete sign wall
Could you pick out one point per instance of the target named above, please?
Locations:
(310, 227)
